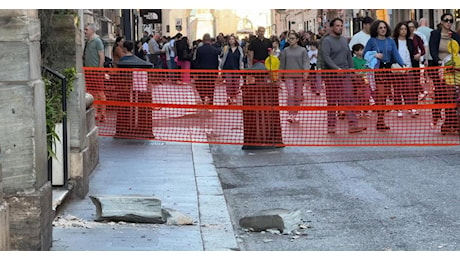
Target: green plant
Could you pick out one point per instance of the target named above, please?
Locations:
(54, 111)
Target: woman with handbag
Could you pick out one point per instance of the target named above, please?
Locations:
(443, 93)
(232, 59)
(386, 53)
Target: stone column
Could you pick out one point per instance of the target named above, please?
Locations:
(26, 188)
(4, 220)
(84, 142)
(66, 35)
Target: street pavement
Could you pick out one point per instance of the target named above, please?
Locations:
(181, 175)
(350, 198)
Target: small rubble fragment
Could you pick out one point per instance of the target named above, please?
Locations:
(283, 220)
(174, 217)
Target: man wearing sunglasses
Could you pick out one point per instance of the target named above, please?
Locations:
(443, 93)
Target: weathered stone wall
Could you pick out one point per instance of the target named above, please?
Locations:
(4, 226)
(31, 220)
(58, 35)
(65, 34)
(4, 221)
(26, 188)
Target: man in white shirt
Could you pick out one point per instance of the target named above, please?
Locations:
(172, 51)
(364, 35)
(166, 49)
(425, 30)
(145, 46)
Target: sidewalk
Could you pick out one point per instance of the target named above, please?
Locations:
(181, 175)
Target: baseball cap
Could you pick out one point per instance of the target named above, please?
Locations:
(367, 19)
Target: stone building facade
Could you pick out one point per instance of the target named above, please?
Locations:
(26, 210)
(25, 204)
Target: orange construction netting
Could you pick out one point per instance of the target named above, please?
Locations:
(416, 106)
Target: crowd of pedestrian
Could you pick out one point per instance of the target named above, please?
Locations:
(411, 44)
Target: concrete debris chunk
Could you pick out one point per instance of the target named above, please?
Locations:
(174, 217)
(282, 219)
(128, 208)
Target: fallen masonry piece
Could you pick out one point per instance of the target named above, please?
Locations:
(282, 219)
(128, 208)
(174, 217)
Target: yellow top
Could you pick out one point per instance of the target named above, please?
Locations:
(272, 63)
(453, 77)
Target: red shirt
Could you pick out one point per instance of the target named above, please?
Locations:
(418, 44)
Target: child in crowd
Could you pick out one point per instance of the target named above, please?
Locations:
(315, 78)
(362, 88)
(276, 47)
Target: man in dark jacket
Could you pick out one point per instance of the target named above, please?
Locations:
(134, 123)
(207, 58)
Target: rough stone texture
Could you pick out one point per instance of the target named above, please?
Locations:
(85, 161)
(139, 209)
(4, 220)
(1, 178)
(174, 217)
(17, 127)
(91, 153)
(22, 27)
(83, 141)
(76, 107)
(18, 13)
(5, 226)
(24, 157)
(282, 219)
(26, 189)
(66, 36)
(31, 220)
(90, 119)
(21, 37)
(84, 144)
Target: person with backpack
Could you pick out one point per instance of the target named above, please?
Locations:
(183, 57)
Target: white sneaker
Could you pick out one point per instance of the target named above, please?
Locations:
(423, 95)
(371, 101)
(400, 113)
(414, 112)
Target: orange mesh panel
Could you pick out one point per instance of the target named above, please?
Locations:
(301, 108)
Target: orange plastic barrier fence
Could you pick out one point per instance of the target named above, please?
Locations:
(278, 108)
